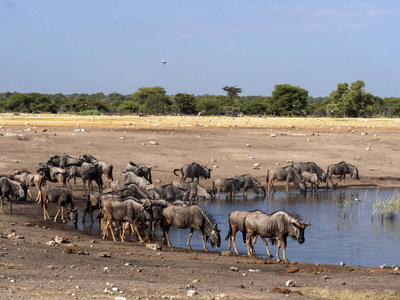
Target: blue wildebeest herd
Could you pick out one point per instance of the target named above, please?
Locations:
(137, 201)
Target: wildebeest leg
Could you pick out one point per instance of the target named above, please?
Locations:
(266, 246)
(58, 212)
(287, 187)
(202, 238)
(2, 203)
(38, 195)
(109, 226)
(137, 231)
(190, 236)
(165, 234)
(277, 250)
(29, 193)
(249, 244)
(284, 249)
(253, 243)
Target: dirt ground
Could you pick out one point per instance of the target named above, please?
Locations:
(87, 267)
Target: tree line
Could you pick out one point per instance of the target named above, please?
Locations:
(347, 100)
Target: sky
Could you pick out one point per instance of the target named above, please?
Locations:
(93, 46)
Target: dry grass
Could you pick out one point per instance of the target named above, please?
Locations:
(134, 121)
(349, 295)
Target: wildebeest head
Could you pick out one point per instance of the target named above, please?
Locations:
(207, 172)
(73, 216)
(297, 231)
(354, 174)
(214, 236)
(302, 186)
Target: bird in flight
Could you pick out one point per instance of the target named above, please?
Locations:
(164, 62)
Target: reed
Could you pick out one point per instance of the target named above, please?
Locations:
(386, 209)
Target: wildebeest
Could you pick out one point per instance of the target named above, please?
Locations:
(236, 222)
(287, 174)
(106, 167)
(193, 171)
(88, 173)
(227, 185)
(11, 189)
(61, 195)
(341, 169)
(63, 161)
(311, 178)
(276, 226)
(168, 192)
(121, 188)
(25, 177)
(192, 217)
(310, 167)
(131, 177)
(126, 211)
(94, 202)
(53, 174)
(250, 183)
(140, 170)
(193, 188)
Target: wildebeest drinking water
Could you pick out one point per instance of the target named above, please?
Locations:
(276, 226)
(250, 183)
(10, 188)
(64, 161)
(193, 171)
(192, 217)
(61, 195)
(287, 174)
(341, 169)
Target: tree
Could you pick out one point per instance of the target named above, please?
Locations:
(143, 93)
(207, 106)
(156, 104)
(184, 103)
(232, 91)
(289, 100)
(351, 101)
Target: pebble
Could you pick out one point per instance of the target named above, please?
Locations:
(192, 293)
(234, 269)
(290, 283)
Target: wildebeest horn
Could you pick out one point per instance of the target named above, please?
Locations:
(75, 208)
(308, 224)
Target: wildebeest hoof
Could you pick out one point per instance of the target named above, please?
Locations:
(278, 260)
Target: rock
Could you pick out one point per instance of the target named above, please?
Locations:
(192, 293)
(240, 286)
(226, 253)
(234, 269)
(154, 246)
(153, 143)
(122, 138)
(58, 239)
(292, 270)
(51, 243)
(256, 166)
(105, 254)
(290, 283)
(12, 235)
(272, 135)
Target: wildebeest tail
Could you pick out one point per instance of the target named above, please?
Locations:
(111, 173)
(177, 170)
(162, 222)
(230, 229)
(267, 176)
(151, 182)
(244, 231)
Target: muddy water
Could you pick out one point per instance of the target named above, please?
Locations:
(341, 230)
